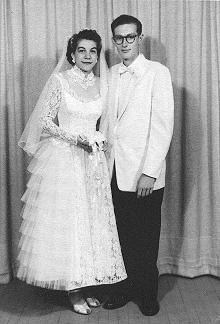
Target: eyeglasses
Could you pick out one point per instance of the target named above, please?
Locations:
(119, 39)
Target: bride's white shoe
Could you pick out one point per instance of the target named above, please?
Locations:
(79, 304)
(82, 309)
(93, 302)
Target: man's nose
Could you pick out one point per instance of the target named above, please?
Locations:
(124, 43)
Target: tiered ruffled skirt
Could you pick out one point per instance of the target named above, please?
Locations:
(69, 236)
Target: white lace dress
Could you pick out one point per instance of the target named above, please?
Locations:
(69, 236)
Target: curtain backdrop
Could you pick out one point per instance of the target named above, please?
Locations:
(183, 35)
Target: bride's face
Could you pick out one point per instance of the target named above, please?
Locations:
(86, 55)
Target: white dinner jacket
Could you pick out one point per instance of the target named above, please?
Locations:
(140, 136)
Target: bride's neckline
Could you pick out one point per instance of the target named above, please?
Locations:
(78, 76)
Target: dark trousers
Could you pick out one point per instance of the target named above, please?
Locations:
(138, 222)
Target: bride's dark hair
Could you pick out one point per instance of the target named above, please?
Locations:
(88, 34)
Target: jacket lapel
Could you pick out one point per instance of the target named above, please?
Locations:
(113, 100)
(139, 73)
(115, 93)
(130, 93)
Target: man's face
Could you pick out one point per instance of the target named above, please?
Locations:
(128, 49)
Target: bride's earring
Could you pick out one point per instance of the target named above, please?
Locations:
(73, 59)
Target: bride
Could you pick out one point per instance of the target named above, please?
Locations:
(69, 236)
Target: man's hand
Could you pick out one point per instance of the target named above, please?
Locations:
(83, 143)
(145, 186)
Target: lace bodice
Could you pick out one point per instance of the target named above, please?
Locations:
(76, 107)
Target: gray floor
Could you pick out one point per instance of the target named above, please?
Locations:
(182, 300)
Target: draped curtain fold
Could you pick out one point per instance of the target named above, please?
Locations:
(183, 35)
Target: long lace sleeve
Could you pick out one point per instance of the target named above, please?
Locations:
(53, 102)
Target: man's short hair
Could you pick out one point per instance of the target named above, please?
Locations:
(126, 19)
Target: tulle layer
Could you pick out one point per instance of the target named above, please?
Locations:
(68, 234)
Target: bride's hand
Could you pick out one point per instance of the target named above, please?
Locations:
(105, 146)
(83, 143)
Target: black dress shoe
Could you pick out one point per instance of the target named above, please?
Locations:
(149, 308)
(115, 302)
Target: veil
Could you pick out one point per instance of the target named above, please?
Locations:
(32, 133)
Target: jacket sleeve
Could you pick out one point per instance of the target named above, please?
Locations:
(52, 105)
(161, 123)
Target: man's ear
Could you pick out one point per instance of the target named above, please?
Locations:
(113, 42)
(141, 37)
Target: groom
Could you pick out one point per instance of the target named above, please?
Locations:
(138, 127)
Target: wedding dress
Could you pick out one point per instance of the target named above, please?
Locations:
(69, 236)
